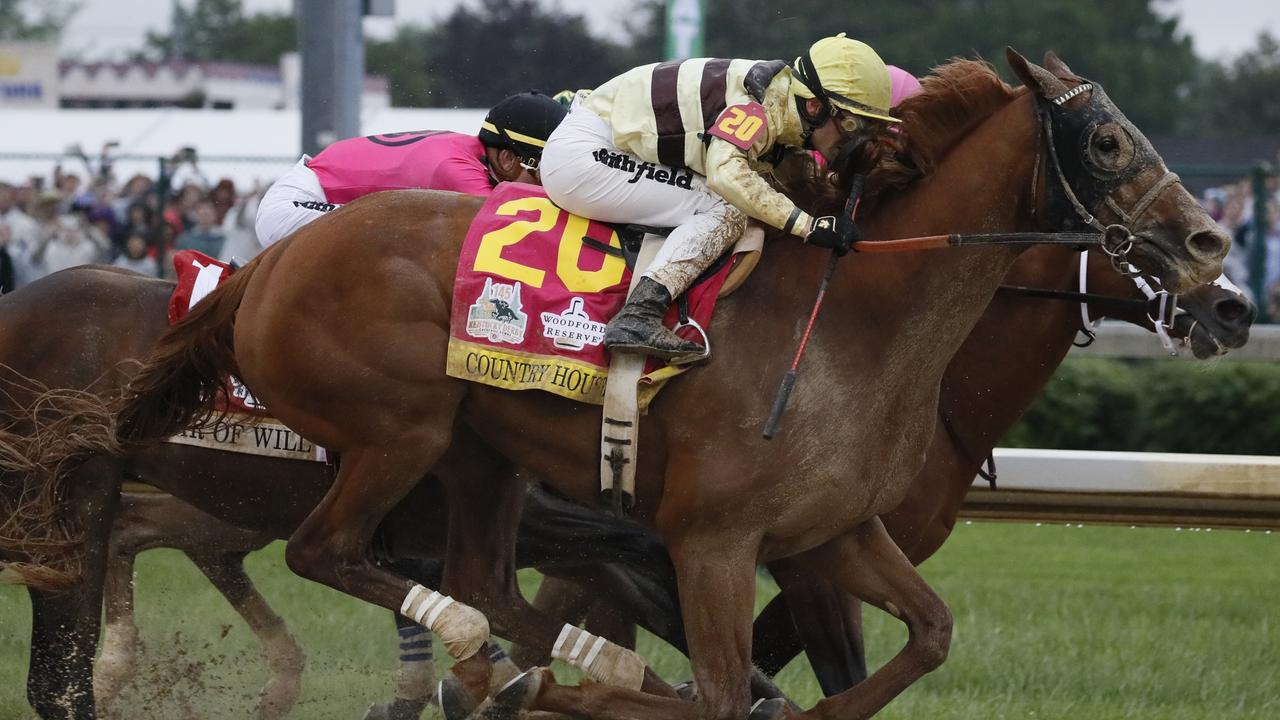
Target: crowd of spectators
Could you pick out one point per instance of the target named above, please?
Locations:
(69, 218)
(1234, 207)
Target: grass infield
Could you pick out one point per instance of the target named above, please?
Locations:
(1051, 622)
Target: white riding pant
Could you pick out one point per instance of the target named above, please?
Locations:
(586, 174)
(291, 202)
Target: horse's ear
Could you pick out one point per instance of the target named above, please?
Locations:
(1033, 76)
(1054, 65)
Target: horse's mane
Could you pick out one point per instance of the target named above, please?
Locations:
(954, 99)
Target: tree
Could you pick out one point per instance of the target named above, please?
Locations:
(220, 30)
(405, 61)
(475, 57)
(1239, 97)
(19, 21)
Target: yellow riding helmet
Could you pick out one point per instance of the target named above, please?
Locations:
(848, 74)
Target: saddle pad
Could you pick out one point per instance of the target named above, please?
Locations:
(531, 300)
(245, 426)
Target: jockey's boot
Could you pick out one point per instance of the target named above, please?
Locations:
(638, 327)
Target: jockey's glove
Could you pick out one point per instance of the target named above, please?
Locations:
(834, 233)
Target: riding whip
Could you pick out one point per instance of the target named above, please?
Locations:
(789, 379)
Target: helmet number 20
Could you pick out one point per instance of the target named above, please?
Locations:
(740, 124)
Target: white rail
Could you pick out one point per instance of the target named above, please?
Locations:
(1131, 488)
(1122, 340)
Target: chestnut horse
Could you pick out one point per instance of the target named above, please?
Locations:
(354, 361)
(1217, 319)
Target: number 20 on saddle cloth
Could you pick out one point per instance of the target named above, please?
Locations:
(531, 300)
(244, 425)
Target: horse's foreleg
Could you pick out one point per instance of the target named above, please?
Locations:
(867, 563)
(283, 655)
(608, 621)
(818, 618)
(717, 594)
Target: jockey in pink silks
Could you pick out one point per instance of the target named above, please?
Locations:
(507, 148)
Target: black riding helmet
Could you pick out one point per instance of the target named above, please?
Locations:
(522, 123)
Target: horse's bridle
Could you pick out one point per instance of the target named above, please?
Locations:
(1160, 306)
(1117, 239)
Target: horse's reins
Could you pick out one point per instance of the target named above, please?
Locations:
(1160, 306)
(1116, 240)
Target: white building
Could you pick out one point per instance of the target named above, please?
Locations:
(213, 84)
(31, 76)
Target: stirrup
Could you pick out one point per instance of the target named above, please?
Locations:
(706, 344)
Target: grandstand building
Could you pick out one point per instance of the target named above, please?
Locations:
(32, 76)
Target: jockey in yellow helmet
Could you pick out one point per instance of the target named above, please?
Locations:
(682, 144)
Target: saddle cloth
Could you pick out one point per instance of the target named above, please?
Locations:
(244, 426)
(531, 300)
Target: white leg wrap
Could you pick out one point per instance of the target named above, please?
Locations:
(600, 659)
(463, 629)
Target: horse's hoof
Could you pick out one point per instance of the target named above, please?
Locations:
(490, 710)
(768, 709)
(455, 702)
(521, 691)
(686, 690)
(398, 709)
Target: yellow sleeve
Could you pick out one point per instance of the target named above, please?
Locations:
(730, 176)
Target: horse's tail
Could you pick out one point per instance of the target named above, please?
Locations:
(188, 368)
(54, 430)
(41, 442)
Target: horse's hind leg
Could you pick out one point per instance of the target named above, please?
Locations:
(416, 673)
(152, 519)
(64, 626)
(867, 563)
(333, 545)
(118, 663)
(284, 657)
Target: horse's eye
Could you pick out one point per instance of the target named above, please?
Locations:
(1110, 148)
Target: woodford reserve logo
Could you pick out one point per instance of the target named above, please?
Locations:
(572, 328)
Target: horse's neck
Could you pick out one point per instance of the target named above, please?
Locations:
(1009, 357)
(927, 302)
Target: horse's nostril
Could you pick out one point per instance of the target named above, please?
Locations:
(1234, 312)
(1208, 243)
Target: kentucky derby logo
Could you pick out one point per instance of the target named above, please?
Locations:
(496, 316)
(572, 329)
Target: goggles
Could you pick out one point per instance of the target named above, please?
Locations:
(847, 122)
